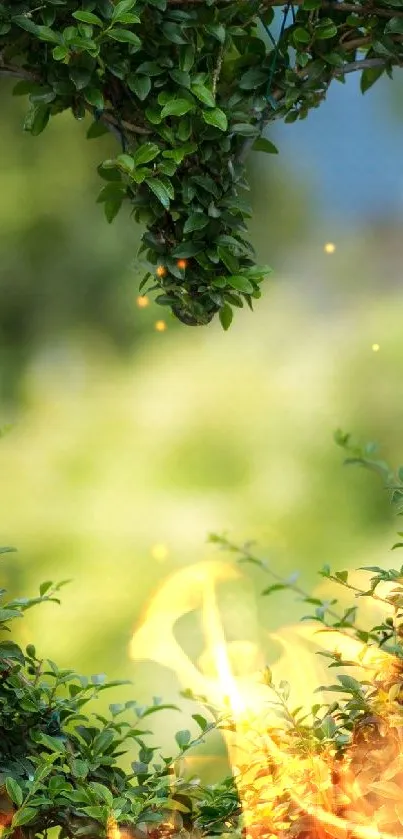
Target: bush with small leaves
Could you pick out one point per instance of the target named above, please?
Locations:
(59, 766)
(325, 770)
(187, 87)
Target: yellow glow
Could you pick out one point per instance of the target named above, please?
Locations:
(274, 776)
(375, 347)
(160, 326)
(142, 301)
(330, 247)
(159, 552)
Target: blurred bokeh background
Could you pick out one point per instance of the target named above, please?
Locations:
(128, 445)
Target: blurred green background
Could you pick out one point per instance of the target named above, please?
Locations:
(129, 445)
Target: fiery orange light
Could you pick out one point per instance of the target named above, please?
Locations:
(285, 793)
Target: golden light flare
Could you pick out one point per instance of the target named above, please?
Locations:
(160, 552)
(112, 829)
(143, 301)
(375, 347)
(160, 326)
(329, 247)
(287, 786)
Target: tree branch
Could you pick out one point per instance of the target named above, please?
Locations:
(356, 8)
(17, 73)
(109, 120)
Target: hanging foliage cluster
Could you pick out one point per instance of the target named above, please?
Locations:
(187, 87)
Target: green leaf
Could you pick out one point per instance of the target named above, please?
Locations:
(395, 26)
(173, 33)
(122, 7)
(8, 649)
(262, 144)
(99, 813)
(183, 738)
(177, 108)
(245, 129)
(253, 78)
(159, 191)
(88, 17)
(97, 129)
(204, 94)
(217, 118)
(197, 221)
(180, 77)
(14, 791)
(240, 283)
(102, 793)
(9, 614)
(94, 97)
(45, 33)
(27, 24)
(150, 68)
(60, 52)
(187, 249)
(145, 153)
(140, 85)
(301, 35)
(274, 587)
(217, 30)
(351, 685)
(226, 315)
(24, 816)
(125, 36)
(125, 162)
(201, 721)
(230, 261)
(37, 120)
(186, 58)
(325, 29)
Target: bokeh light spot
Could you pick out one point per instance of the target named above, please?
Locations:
(160, 326)
(375, 347)
(159, 552)
(330, 247)
(142, 301)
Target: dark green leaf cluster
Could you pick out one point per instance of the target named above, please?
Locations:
(165, 79)
(187, 87)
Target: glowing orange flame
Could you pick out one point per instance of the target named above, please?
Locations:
(290, 784)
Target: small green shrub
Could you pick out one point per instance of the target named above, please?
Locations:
(59, 764)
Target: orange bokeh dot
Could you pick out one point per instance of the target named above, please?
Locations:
(142, 301)
(160, 326)
(161, 271)
(182, 264)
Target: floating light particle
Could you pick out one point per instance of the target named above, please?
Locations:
(160, 325)
(330, 247)
(375, 347)
(161, 271)
(159, 552)
(142, 301)
(182, 264)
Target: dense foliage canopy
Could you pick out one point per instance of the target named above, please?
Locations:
(188, 86)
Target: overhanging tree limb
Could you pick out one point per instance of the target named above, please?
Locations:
(187, 87)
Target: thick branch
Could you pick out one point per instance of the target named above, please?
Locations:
(17, 73)
(362, 10)
(109, 120)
